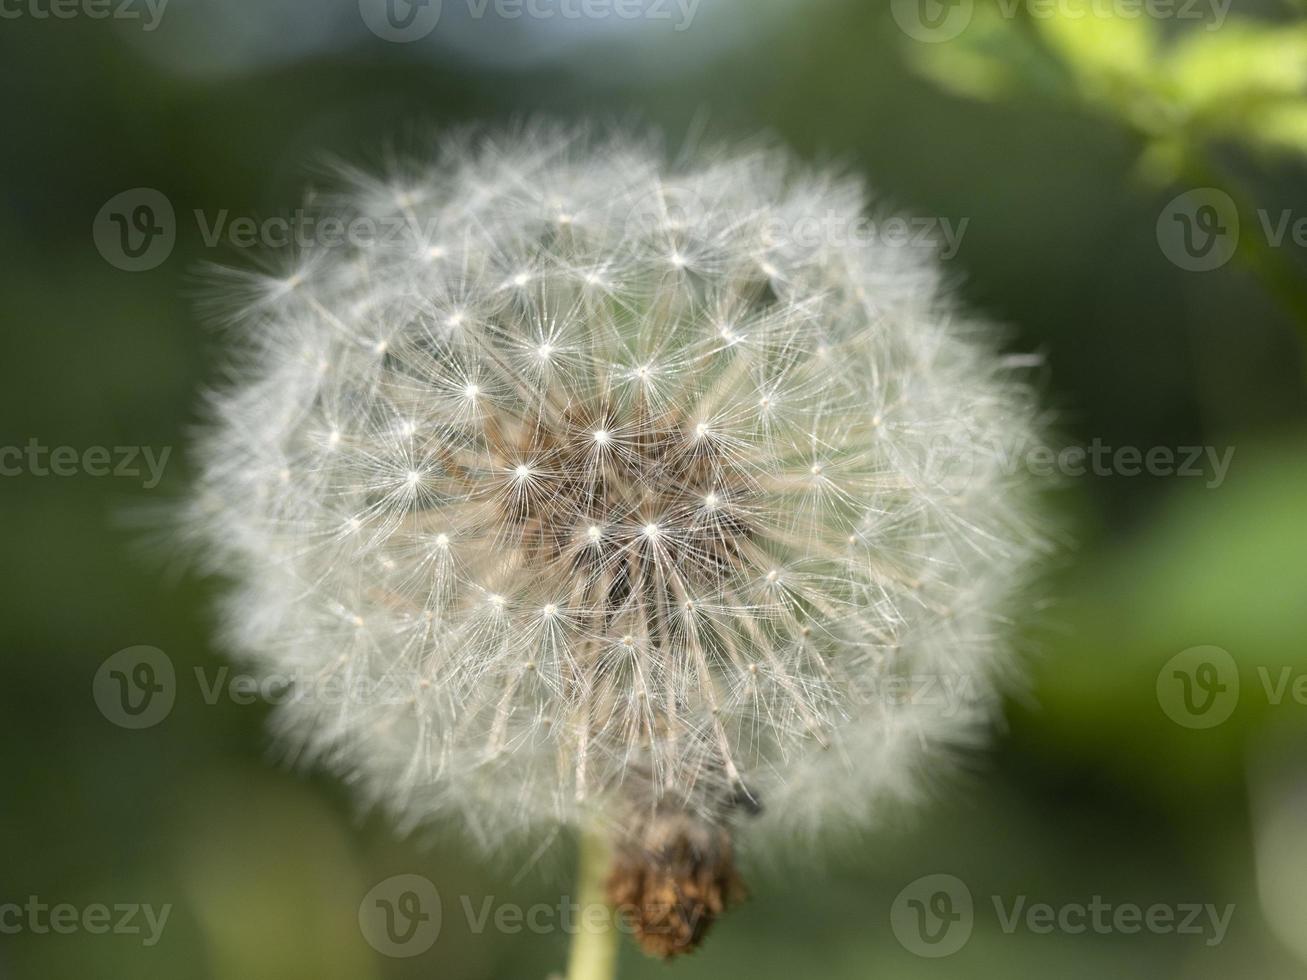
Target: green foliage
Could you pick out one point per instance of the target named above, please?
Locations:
(1236, 80)
(1093, 791)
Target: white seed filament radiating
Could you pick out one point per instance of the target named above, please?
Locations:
(618, 497)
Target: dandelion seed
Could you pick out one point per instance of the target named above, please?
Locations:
(615, 461)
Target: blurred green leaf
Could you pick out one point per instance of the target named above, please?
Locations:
(1221, 566)
(1243, 81)
(1240, 64)
(1282, 126)
(987, 61)
(1100, 45)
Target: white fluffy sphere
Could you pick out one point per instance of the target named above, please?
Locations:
(567, 486)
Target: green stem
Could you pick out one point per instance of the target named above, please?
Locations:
(593, 954)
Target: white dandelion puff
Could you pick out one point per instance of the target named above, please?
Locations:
(642, 511)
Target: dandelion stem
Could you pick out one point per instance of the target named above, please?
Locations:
(593, 955)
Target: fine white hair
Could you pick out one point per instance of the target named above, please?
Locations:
(567, 483)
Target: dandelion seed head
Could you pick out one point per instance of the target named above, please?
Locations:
(634, 519)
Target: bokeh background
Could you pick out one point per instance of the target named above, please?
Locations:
(1063, 136)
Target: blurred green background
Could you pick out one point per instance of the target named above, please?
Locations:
(1061, 135)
